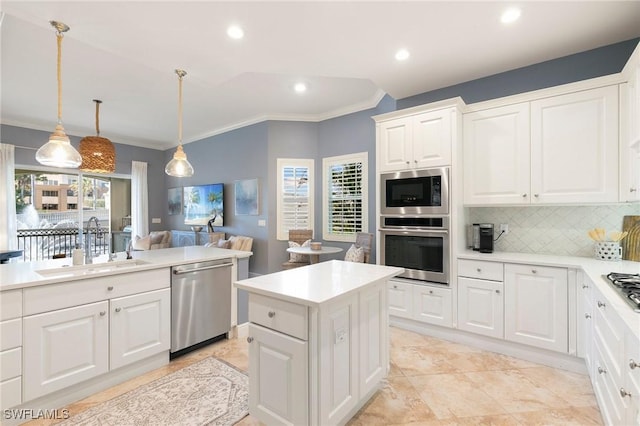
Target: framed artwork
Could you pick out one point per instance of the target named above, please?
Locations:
(204, 203)
(175, 201)
(246, 197)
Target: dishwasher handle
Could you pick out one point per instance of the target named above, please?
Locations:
(180, 272)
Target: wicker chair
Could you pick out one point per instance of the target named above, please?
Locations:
(299, 236)
(364, 240)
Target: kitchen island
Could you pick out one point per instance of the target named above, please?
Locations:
(70, 331)
(318, 341)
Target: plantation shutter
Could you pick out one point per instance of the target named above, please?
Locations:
(345, 197)
(295, 198)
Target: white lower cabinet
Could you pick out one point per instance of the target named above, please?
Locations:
(424, 303)
(481, 306)
(65, 347)
(616, 367)
(140, 326)
(278, 383)
(10, 348)
(536, 306)
(585, 320)
(321, 363)
(81, 329)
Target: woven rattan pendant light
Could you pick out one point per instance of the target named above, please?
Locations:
(58, 152)
(98, 153)
(179, 166)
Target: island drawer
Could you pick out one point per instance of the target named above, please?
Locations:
(10, 334)
(10, 364)
(279, 315)
(51, 297)
(11, 392)
(492, 271)
(10, 304)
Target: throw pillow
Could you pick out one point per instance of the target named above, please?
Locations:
(298, 258)
(224, 243)
(141, 243)
(355, 254)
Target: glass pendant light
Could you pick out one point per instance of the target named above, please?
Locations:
(179, 166)
(98, 153)
(58, 152)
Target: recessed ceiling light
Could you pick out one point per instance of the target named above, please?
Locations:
(235, 32)
(510, 15)
(402, 55)
(300, 87)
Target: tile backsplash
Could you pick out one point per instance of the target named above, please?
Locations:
(560, 230)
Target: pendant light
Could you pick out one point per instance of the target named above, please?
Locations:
(58, 152)
(98, 153)
(179, 166)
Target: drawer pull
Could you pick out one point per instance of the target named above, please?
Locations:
(271, 314)
(430, 291)
(395, 286)
(102, 313)
(585, 286)
(534, 271)
(601, 370)
(633, 364)
(624, 393)
(118, 309)
(497, 291)
(524, 195)
(249, 339)
(479, 270)
(601, 304)
(587, 316)
(110, 288)
(536, 195)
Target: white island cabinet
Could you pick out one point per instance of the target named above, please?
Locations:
(319, 344)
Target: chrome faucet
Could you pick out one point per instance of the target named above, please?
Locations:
(88, 256)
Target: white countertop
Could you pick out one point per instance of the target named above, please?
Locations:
(595, 269)
(318, 283)
(23, 274)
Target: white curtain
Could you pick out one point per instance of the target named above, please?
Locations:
(139, 199)
(8, 224)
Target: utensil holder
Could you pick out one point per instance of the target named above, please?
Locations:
(608, 250)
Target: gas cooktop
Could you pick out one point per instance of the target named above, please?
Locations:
(628, 286)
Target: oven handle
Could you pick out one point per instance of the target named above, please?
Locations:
(405, 231)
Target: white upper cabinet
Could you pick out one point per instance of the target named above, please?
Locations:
(630, 131)
(574, 147)
(416, 140)
(496, 155)
(558, 149)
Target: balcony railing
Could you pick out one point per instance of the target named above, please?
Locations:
(39, 244)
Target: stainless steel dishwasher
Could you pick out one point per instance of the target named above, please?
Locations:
(200, 303)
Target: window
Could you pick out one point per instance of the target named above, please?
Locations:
(344, 196)
(295, 195)
(46, 193)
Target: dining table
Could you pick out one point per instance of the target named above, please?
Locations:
(314, 254)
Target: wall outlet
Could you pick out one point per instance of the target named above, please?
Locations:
(156, 220)
(340, 336)
(504, 227)
(262, 222)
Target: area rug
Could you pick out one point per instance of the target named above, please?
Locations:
(209, 392)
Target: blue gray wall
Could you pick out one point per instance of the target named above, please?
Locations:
(581, 66)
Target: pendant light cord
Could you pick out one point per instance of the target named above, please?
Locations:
(180, 108)
(59, 37)
(98, 102)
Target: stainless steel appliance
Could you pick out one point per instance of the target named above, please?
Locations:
(486, 238)
(200, 303)
(418, 244)
(415, 192)
(627, 286)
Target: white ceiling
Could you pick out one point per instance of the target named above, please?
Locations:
(125, 53)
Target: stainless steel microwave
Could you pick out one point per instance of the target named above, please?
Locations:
(415, 192)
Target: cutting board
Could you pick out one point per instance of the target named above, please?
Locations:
(631, 243)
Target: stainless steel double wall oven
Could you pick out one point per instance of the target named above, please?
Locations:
(414, 223)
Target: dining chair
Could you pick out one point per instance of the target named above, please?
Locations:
(299, 236)
(364, 240)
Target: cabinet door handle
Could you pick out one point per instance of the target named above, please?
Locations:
(633, 365)
(632, 190)
(497, 291)
(407, 163)
(587, 316)
(118, 309)
(395, 286)
(430, 291)
(585, 286)
(524, 195)
(536, 195)
(601, 370)
(534, 271)
(102, 313)
(624, 393)
(601, 304)
(271, 314)
(249, 339)
(415, 161)
(478, 270)
(110, 288)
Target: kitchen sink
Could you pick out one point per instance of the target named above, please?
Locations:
(96, 268)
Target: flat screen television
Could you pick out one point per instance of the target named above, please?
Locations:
(203, 203)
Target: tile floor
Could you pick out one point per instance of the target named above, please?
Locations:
(433, 382)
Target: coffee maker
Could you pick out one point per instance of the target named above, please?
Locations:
(486, 237)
